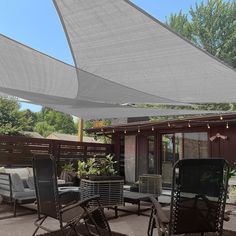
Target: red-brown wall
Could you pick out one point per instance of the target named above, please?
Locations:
(218, 148)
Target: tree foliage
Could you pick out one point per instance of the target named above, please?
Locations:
(9, 117)
(13, 120)
(212, 27)
(27, 119)
(43, 128)
(180, 23)
(53, 121)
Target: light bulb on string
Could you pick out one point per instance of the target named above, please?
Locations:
(138, 129)
(221, 117)
(189, 125)
(125, 131)
(168, 124)
(208, 126)
(102, 130)
(113, 131)
(227, 125)
(153, 128)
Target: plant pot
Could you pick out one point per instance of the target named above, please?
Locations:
(109, 188)
(104, 177)
(68, 176)
(76, 181)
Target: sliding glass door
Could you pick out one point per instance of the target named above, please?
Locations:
(177, 146)
(167, 158)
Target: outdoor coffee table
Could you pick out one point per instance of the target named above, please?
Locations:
(136, 198)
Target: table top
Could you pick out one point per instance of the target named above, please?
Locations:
(69, 188)
(138, 196)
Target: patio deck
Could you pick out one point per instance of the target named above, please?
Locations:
(132, 225)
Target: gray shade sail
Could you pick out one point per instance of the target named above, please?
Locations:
(28, 70)
(118, 41)
(40, 79)
(94, 110)
(121, 56)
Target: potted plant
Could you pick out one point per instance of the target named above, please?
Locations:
(102, 167)
(98, 177)
(68, 172)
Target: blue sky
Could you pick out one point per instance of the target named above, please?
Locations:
(36, 24)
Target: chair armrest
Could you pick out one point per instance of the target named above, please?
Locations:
(82, 204)
(61, 194)
(85, 201)
(159, 212)
(68, 197)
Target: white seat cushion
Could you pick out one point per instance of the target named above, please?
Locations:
(27, 193)
(22, 172)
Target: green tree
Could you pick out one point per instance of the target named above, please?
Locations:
(9, 117)
(28, 120)
(54, 121)
(44, 128)
(212, 27)
(180, 23)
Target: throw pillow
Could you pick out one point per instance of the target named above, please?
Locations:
(30, 170)
(30, 182)
(17, 183)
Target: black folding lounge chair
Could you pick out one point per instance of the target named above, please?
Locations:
(199, 189)
(70, 216)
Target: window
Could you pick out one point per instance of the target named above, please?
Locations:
(195, 145)
(177, 146)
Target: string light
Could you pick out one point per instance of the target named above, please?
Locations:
(152, 128)
(189, 125)
(101, 129)
(138, 129)
(221, 117)
(113, 131)
(227, 125)
(168, 124)
(208, 126)
(125, 131)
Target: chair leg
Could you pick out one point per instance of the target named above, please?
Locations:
(116, 211)
(14, 207)
(72, 228)
(38, 226)
(150, 224)
(138, 208)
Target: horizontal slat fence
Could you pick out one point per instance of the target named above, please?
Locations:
(18, 151)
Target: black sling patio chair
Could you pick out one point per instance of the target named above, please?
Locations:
(199, 189)
(71, 216)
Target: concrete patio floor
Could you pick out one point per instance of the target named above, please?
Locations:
(132, 225)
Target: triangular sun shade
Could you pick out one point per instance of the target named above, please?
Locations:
(121, 55)
(120, 42)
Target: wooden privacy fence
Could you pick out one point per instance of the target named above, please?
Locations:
(18, 151)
